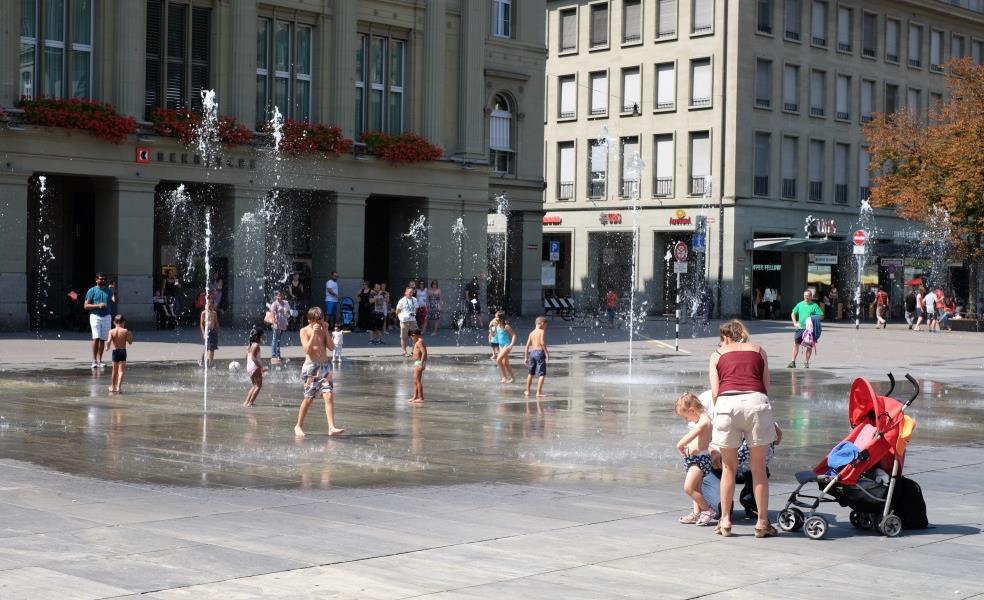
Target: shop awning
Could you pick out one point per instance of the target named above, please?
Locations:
(825, 246)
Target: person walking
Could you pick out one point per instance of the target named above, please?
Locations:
(881, 307)
(279, 313)
(297, 299)
(99, 301)
(331, 299)
(377, 301)
(421, 304)
(406, 312)
(930, 301)
(364, 319)
(505, 337)
(611, 305)
(920, 307)
(434, 306)
(834, 298)
(910, 308)
(316, 371)
(739, 378)
(802, 312)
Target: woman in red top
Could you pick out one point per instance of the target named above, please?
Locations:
(739, 374)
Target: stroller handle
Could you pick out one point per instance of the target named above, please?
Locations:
(915, 389)
(891, 380)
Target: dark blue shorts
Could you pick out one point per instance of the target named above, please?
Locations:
(212, 340)
(537, 363)
(798, 336)
(119, 354)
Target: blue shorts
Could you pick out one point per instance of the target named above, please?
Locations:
(212, 340)
(702, 461)
(330, 309)
(798, 336)
(537, 362)
(317, 379)
(119, 354)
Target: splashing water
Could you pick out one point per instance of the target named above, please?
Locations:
(45, 256)
(634, 166)
(458, 234)
(417, 235)
(207, 132)
(208, 300)
(937, 246)
(866, 223)
(277, 127)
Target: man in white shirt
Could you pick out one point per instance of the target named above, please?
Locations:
(406, 312)
(331, 300)
(929, 301)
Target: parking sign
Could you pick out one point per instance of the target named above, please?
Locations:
(554, 251)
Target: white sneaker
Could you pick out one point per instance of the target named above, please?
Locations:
(102, 365)
(95, 365)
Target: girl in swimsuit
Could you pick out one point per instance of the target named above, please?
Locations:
(254, 367)
(506, 338)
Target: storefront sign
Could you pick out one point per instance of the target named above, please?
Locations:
(906, 234)
(681, 218)
(891, 262)
(610, 218)
(820, 227)
(552, 219)
(142, 155)
(767, 267)
(183, 158)
(823, 259)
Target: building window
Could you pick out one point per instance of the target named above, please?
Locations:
(599, 93)
(663, 185)
(867, 99)
(869, 35)
(666, 20)
(818, 24)
(845, 29)
(790, 166)
(914, 102)
(501, 151)
(597, 168)
(631, 21)
(502, 18)
(565, 157)
(567, 91)
(864, 175)
(599, 25)
(891, 98)
(841, 153)
(842, 105)
(892, 28)
(631, 168)
(764, 17)
(631, 90)
(703, 16)
(760, 185)
(936, 51)
(763, 83)
(915, 45)
(790, 88)
(794, 19)
(665, 86)
(56, 47)
(700, 162)
(958, 46)
(816, 170)
(379, 84)
(977, 52)
(700, 82)
(284, 59)
(818, 93)
(178, 50)
(568, 30)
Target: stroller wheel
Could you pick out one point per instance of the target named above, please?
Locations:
(815, 527)
(866, 521)
(855, 519)
(891, 526)
(790, 519)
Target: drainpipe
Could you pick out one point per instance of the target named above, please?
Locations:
(724, 137)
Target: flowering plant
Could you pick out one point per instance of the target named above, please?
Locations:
(100, 119)
(183, 124)
(407, 147)
(301, 137)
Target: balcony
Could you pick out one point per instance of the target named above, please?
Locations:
(843, 116)
(632, 108)
(820, 41)
(763, 102)
(869, 52)
(629, 188)
(915, 62)
(840, 193)
(844, 47)
(631, 38)
(663, 34)
(864, 193)
(761, 185)
(698, 185)
(567, 114)
(892, 57)
(598, 110)
(702, 29)
(816, 191)
(700, 102)
(935, 68)
(765, 27)
(565, 190)
(596, 188)
(866, 118)
(817, 111)
(790, 107)
(664, 187)
(665, 105)
(789, 189)
(792, 35)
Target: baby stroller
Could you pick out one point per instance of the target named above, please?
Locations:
(880, 432)
(348, 313)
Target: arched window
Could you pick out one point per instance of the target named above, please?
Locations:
(501, 151)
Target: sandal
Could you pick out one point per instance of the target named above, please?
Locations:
(723, 531)
(690, 519)
(706, 517)
(769, 531)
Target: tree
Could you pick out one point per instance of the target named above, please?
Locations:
(925, 166)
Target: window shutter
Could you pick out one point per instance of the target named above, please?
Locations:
(913, 101)
(599, 24)
(794, 17)
(819, 21)
(176, 48)
(840, 164)
(567, 163)
(664, 157)
(816, 160)
(152, 64)
(763, 81)
(892, 38)
(843, 87)
(977, 50)
(700, 155)
(599, 92)
(599, 158)
(632, 20)
(500, 128)
(915, 42)
(789, 158)
(665, 85)
(568, 97)
(630, 159)
(843, 28)
(201, 28)
(790, 85)
(568, 30)
(864, 161)
(703, 15)
(936, 48)
(869, 32)
(957, 47)
(867, 98)
(667, 17)
(631, 94)
(761, 155)
(702, 80)
(818, 89)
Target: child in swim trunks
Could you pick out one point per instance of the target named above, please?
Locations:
(119, 337)
(536, 356)
(696, 458)
(493, 340)
(419, 365)
(337, 337)
(254, 366)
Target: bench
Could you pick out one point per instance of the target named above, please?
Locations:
(559, 307)
(969, 323)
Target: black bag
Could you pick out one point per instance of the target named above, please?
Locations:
(908, 504)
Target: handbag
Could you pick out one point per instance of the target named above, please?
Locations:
(268, 318)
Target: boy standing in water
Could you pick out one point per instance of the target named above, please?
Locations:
(119, 337)
(419, 364)
(209, 318)
(316, 371)
(536, 356)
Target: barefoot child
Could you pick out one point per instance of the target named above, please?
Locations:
(536, 356)
(337, 338)
(505, 337)
(316, 371)
(419, 364)
(208, 323)
(493, 341)
(254, 366)
(119, 337)
(694, 449)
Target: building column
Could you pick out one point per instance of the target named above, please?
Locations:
(471, 81)
(343, 43)
(248, 268)
(338, 244)
(524, 234)
(10, 52)
(13, 251)
(129, 66)
(241, 98)
(434, 94)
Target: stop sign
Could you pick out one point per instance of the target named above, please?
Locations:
(680, 251)
(859, 237)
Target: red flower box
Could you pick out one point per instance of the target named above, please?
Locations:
(301, 138)
(100, 119)
(183, 124)
(406, 147)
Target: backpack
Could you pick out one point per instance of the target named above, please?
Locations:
(908, 504)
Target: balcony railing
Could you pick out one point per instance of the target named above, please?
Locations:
(664, 187)
(761, 185)
(631, 108)
(629, 188)
(570, 48)
(565, 191)
(698, 186)
(765, 27)
(700, 102)
(935, 68)
(567, 114)
(840, 193)
(793, 35)
(665, 33)
(844, 47)
(598, 110)
(844, 116)
(789, 188)
(915, 62)
(865, 118)
(817, 111)
(703, 29)
(596, 189)
(763, 102)
(820, 41)
(790, 106)
(816, 191)
(665, 105)
(633, 37)
(891, 57)
(869, 52)
(864, 193)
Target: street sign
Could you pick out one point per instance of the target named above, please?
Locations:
(859, 250)
(554, 251)
(680, 267)
(859, 237)
(700, 242)
(680, 251)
